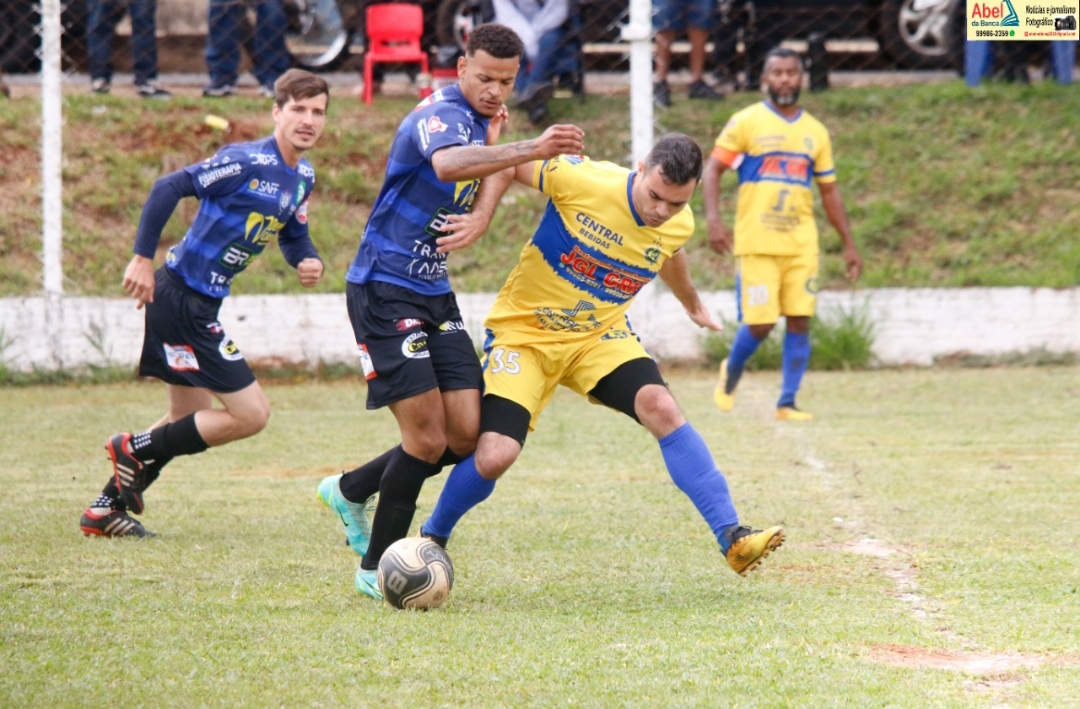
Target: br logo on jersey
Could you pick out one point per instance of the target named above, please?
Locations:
(236, 257)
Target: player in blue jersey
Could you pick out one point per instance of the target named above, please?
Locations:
(416, 355)
(250, 193)
(561, 320)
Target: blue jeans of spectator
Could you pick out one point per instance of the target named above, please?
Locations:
(552, 60)
(101, 28)
(270, 58)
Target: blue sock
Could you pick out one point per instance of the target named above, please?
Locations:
(691, 466)
(745, 344)
(796, 360)
(465, 488)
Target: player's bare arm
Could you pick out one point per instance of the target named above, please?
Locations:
(472, 162)
(676, 274)
(463, 229)
(719, 235)
(837, 215)
(139, 280)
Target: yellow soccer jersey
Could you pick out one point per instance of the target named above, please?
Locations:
(589, 257)
(776, 159)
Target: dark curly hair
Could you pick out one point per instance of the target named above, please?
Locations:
(497, 40)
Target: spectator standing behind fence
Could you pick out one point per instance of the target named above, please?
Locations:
(100, 32)
(269, 55)
(541, 26)
(698, 18)
(4, 90)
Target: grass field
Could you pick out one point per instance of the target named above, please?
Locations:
(945, 185)
(931, 558)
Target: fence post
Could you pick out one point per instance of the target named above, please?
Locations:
(639, 34)
(52, 205)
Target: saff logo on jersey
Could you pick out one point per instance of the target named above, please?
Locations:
(414, 346)
(263, 188)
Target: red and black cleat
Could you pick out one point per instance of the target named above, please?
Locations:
(130, 472)
(111, 523)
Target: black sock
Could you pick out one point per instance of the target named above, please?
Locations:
(360, 484)
(398, 490)
(166, 442)
(449, 457)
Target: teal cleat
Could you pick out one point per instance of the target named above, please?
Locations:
(353, 514)
(367, 583)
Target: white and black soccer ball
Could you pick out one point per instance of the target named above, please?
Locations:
(415, 572)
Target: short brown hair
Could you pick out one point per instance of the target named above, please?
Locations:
(298, 84)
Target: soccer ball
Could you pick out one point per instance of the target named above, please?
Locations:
(415, 572)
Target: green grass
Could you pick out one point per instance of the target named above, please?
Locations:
(587, 579)
(945, 185)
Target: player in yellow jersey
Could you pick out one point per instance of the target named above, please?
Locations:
(561, 319)
(778, 150)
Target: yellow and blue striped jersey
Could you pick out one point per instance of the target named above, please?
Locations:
(589, 256)
(776, 160)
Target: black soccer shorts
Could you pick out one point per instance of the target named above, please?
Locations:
(184, 344)
(410, 343)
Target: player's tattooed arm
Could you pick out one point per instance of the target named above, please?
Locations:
(472, 162)
(463, 229)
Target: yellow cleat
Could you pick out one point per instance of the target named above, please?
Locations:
(724, 401)
(790, 413)
(751, 546)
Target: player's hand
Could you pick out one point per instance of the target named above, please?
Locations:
(701, 317)
(139, 280)
(559, 140)
(498, 122)
(461, 230)
(719, 237)
(309, 271)
(854, 264)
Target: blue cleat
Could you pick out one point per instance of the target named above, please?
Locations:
(367, 583)
(353, 514)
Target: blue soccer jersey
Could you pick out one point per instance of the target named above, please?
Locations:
(398, 245)
(249, 195)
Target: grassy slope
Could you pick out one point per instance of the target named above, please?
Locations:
(946, 186)
(587, 579)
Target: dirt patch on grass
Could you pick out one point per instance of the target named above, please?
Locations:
(982, 663)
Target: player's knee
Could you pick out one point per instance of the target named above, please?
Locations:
(463, 442)
(760, 332)
(495, 455)
(254, 419)
(657, 410)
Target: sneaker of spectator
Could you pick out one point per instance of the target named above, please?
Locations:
(661, 94)
(219, 90)
(702, 90)
(266, 91)
(101, 85)
(151, 89)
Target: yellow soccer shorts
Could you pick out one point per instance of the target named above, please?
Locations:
(526, 370)
(770, 286)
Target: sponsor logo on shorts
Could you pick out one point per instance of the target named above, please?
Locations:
(211, 176)
(181, 357)
(365, 362)
(229, 351)
(812, 285)
(414, 346)
(408, 324)
(452, 326)
(215, 328)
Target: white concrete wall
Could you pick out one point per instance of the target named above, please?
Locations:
(911, 326)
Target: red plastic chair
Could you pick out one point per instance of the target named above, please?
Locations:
(393, 32)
